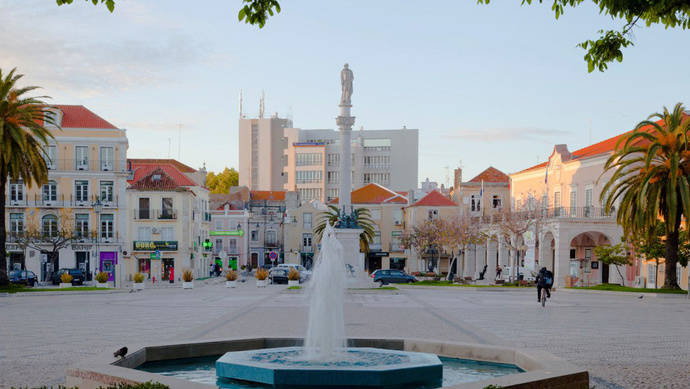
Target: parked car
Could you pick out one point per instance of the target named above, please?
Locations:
(304, 274)
(23, 277)
(385, 277)
(278, 275)
(373, 274)
(78, 276)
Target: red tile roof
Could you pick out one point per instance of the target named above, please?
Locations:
(163, 161)
(603, 147)
(374, 194)
(144, 169)
(434, 199)
(491, 175)
(78, 116)
(269, 195)
(164, 183)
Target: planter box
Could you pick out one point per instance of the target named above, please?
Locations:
(231, 284)
(261, 283)
(65, 284)
(187, 285)
(139, 285)
(293, 282)
(101, 284)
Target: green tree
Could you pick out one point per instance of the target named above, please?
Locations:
(615, 255)
(22, 140)
(428, 239)
(653, 247)
(223, 181)
(608, 47)
(364, 221)
(650, 170)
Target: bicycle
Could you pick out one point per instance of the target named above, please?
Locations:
(543, 297)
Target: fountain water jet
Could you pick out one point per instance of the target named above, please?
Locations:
(326, 330)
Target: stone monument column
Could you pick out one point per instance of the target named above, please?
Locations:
(345, 121)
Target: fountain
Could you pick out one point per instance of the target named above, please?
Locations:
(325, 360)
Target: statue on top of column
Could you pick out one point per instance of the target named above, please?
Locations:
(346, 78)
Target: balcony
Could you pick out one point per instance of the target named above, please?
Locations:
(307, 249)
(271, 243)
(60, 201)
(555, 213)
(75, 165)
(166, 214)
(207, 216)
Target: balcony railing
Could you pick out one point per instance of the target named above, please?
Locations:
(307, 249)
(71, 165)
(554, 213)
(166, 214)
(59, 201)
(271, 243)
(150, 214)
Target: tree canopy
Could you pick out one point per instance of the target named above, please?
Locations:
(608, 47)
(613, 255)
(223, 181)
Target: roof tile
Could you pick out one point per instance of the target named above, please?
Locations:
(434, 199)
(78, 116)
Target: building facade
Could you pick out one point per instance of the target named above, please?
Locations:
(300, 244)
(484, 195)
(276, 156)
(168, 222)
(78, 218)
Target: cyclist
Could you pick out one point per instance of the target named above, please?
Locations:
(544, 281)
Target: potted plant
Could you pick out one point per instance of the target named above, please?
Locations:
(65, 280)
(102, 279)
(187, 279)
(138, 281)
(231, 279)
(293, 277)
(261, 275)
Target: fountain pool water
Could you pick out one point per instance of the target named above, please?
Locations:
(324, 360)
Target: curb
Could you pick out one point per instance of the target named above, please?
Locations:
(71, 293)
(630, 294)
(471, 288)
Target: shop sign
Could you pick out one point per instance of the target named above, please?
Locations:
(155, 255)
(153, 245)
(595, 264)
(227, 233)
(378, 254)
(81, 247)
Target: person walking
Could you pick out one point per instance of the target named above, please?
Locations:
(172, 274)
(498, 272)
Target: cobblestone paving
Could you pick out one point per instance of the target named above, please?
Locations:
(624, 342)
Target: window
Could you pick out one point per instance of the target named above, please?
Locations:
(588, 197)
(333, 160)
(375, 214)
(308, 176)
(495, 201)
(81, 225)
(232, 246)
(557, 203)
(376, 243)
(573, 202)
(145, 233)
(433, 214)
(545, 201)
(306, 221)
(50, 191)
(306, 242)
(255, 235)
(107, 154)
(144, 208)
(333, 177)
(219, 225)
(397, 216)
(16, 223)
(307, 194)
(378, 178)
(107, 191)
(168, 233)
(475, 203)
(308, 159)
(167, 208)
(81, 191)
(377, 161)
(396, 241)
(271, 237)
(17, 191)
(49, 226)
(81, 157)
(218, 246)
(332, 193)
(51, 157)
(107, 221)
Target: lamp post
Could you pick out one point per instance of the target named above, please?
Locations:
(97, 208)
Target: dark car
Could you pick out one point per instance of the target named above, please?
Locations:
(78, 276)
(392, 276)
(278, 275)
(23, 277)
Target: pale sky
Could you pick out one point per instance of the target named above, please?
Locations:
(486, 85)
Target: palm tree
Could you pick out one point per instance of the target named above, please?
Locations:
(23, 138)
(364, 221)
(651, 169)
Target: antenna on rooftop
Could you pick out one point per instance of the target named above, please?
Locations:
(240, 103)
(261, 105)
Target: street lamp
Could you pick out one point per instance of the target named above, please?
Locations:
(97, 208)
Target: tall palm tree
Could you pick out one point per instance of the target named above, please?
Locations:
(23, 138)
(364, 221)
(651, 172)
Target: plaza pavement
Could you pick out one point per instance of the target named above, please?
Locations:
(624, 342)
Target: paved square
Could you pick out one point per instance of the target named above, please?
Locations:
(622, 340)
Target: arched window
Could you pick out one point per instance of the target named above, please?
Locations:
(49, 225)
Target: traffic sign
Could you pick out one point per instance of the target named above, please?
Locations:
(273, 255)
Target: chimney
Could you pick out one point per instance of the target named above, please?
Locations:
(410, 197)
(457, 181)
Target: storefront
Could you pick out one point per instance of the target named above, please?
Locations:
(144, 266)
(374, 259)
(15, 259)
(107, 262)
(156, 258)
(397, 263)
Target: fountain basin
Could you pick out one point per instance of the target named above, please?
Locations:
(361, 367)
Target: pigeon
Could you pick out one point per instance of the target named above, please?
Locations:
(120, 353)
(641, 296)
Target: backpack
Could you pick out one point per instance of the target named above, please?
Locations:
(548, 278)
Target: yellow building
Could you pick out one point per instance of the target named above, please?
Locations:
(84, 198)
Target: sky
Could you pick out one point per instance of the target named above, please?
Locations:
(486, 85)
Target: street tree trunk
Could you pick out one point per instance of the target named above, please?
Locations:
(4, 280)
(670, 280)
